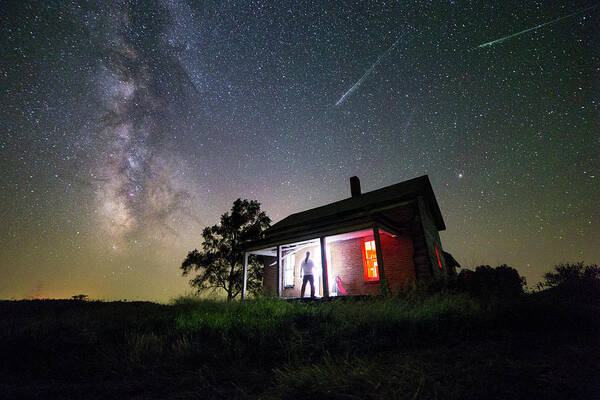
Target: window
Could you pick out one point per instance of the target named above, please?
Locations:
(370, 259)
(437, 253)
(289, 262)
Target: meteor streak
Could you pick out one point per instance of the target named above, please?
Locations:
(366, 74)
(502, 39)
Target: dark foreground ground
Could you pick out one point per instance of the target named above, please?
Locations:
(442, 346)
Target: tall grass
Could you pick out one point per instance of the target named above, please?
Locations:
(268, 321)
(401, 346)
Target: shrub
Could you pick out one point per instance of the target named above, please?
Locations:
(487, 282)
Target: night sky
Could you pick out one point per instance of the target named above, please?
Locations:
(128, 126)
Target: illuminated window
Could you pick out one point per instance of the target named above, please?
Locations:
(437, 253)
(289, 262)
(369, 259)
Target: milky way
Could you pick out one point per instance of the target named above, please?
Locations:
(128, 126)
(139, 195)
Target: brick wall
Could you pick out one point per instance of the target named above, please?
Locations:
(398, 259)
(270, 276)
(347, 262)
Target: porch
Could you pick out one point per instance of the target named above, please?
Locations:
(347, 262)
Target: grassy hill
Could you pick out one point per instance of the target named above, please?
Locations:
(444, 345)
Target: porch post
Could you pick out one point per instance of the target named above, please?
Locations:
(279, 271)
(384, 284)
(324, 267)
(245, 274)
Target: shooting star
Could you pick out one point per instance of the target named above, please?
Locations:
(366, 74)
(493, 42)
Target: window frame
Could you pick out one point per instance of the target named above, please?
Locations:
(363, 241)
(286, 262)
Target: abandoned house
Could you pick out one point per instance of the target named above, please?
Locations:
(367, 244)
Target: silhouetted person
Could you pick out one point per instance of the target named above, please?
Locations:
(306, 268)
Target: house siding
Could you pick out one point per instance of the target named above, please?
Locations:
(432, 239)
(421, 252)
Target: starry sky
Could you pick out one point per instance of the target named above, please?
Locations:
(128, 126)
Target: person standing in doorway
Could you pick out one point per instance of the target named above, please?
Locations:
(306, 268)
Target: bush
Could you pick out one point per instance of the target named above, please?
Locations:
(486, 282)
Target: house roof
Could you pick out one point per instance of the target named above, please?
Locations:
(353, 210)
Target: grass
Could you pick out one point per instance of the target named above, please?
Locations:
(441, 345)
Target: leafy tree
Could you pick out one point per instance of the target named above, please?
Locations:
(80, 297)
(576, 274)
(220, 264)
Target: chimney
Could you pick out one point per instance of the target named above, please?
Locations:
(355, 186)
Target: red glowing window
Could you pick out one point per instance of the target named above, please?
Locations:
(437, 253)
(370, 259)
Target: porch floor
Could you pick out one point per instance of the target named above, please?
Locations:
(357, 297)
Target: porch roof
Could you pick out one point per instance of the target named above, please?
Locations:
(355, 212)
